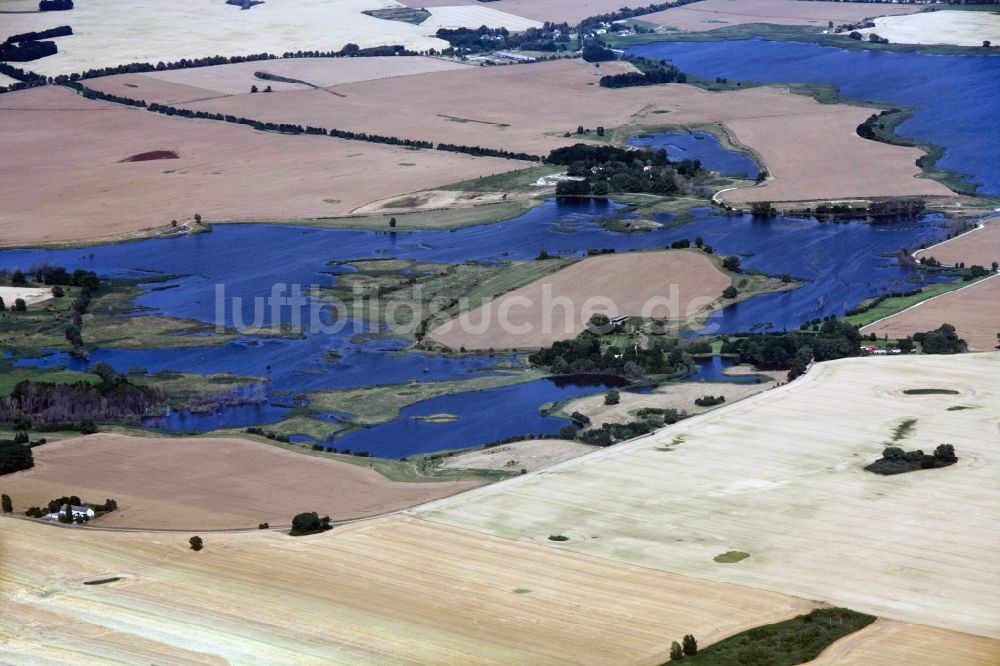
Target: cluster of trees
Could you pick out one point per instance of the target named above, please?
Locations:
(551, 37)
(584, 355)
(55, 5)
(113, 398)
(18, 306)
(60, 31)
(662, 415)
(273, 436)
(687, 648)
(15, 455)
(794, 351)
(896, 461)
(309, 523)
(595, 52)
(942, 340)
(710, 400)
(866, 130)
(26, 51)
(604, 169)
(333, 449)
(58, 277)
(896, 208)
(652, 72)
(699, 242)
(609, 433)
(627, 13)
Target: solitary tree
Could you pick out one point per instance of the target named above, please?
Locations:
(196, 543)
(392, 222)
(197, 218)
(676, 651)
(986, 44)
(690, 646)
(612, 397)
(253, 89)
(20, 305)
(7, 505)
(729, 292)
(731, 264)
(3, 306)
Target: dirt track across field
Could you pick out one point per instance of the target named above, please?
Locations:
(811, 150)
(207, 483)
(712, 14)
(674, 285)
(70, 172)
(974, 311)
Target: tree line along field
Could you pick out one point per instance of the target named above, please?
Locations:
(793, 457)
(973, 310)
(811, 150)
(90, 193)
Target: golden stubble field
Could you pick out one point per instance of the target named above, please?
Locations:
(71, 174)
(712, 14)
(395, 590)
(675, 286)
(979, 246)
(207, 482)
(779, 476)
(974, 311)
(811, 150)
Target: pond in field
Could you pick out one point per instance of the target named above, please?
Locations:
(840, 264)
(958, 96)
(702, 146)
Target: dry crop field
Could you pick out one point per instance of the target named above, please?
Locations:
(811, 150)
(558, 11)
(979, 246)
(107, 33)
(673, 285)
(207, 483)
(712, 14)
(780, 476)
(530, 454)
(890, 642)
(940, 27)
(92, 193)
(390, 590)
(973, 310)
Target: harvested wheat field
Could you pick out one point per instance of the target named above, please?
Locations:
(394, 590)
(92, 192)
(712, 14)
(780, 476)
(979, 246)
(208, 483)
(530, 455)
(890, 642)
(558, 11)
(941, 27)
(175, 86)
(811, 150)
(473, 16)
(107, 34)
(974, 311)
(674, 285)
(679, 396)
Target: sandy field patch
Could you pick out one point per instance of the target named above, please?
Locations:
(711, 14)
(473, 16)
(979, 246)
(106, 34)
(941, 27)
(672, 285)
(890, 642)
(184, 85)
(395, 590)
(207, 483)
(558, 11)
(31, 295)
(90, 194)
(531, 454)
(780, 476)
(6, 80)
(811, 150)
(680, 396)
(974, 311)
(432, 200)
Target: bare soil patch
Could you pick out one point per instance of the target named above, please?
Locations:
(680, 396)
(781, 476)
(811, 150)
(712, 14)
(974, 311)
(670, 285)
(88, 194)
(30, 295)
(151, 155)
(530, 455)
(979, 246)
(207, 483)
(396, 590)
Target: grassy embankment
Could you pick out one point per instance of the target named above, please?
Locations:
(894, 305)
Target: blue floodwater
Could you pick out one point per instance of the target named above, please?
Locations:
(301, 255)
(712, 370)
(231, 416)
(958, 96)
(700, 146)
(839, 265)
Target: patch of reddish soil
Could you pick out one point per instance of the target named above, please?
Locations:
(153, 155)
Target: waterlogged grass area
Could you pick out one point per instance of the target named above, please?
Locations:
(895, 304)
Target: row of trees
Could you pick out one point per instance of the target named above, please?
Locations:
(60, 31)
(55, 5)
(586, 355)
(796, 350)
(652, 72)
(551, 37)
